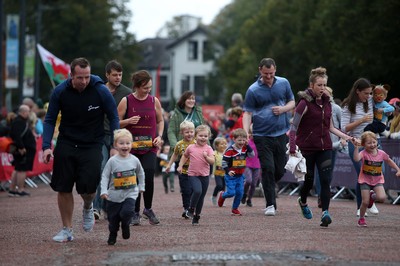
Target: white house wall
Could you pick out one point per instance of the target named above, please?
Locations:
(181, 66)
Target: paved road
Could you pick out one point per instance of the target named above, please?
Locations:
(27, 226)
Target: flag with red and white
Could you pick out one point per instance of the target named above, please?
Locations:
(56, 68)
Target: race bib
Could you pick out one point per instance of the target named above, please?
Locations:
(239, 161)
(219, 171)
(124, 180)
(142, 143)
(372, 168)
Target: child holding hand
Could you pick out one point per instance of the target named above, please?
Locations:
(371, 178)
(119, 185)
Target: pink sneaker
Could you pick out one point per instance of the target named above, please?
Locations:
(361, 222)
(236, 212)
(372, 197)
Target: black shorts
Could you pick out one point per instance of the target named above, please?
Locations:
(76, 165)
(24, 162)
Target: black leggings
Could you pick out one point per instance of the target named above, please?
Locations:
(148, 162)
(323, 161)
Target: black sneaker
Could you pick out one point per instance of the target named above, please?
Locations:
(190, 213)
(195, 220)
(126, 233)
(244, 199)
(96, 214)
(13, 193)
(184, 214)
(23, 194)
(149, 214)
(249, 203)
(112, 239)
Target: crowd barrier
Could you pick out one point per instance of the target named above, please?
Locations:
(345, 177)
(39, 167)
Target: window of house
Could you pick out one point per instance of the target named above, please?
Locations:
(185, 83)
(193, 50)
(207, 51)
(199, 85)
(163, 86)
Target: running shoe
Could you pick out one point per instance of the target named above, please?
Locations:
(64, 235)
(305, 210)
(149, 214)
(325, 219)
(88, 219)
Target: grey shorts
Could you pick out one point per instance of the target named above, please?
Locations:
(365, 186)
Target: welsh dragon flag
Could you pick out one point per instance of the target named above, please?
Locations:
(56, 68)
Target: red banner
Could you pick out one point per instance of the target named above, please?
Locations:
(39, 167)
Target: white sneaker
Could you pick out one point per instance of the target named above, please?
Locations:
(358, 213)
(64, 235)
(395, 135)
(270, 211)
(88, 219)
(373, 210)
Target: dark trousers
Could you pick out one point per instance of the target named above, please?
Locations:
(219, 185)
(119, 212)
(272, 156)
(148, 162)
(186, 190)
(323, 161)
(199, 186)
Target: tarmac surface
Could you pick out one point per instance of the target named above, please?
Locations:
(28, 224)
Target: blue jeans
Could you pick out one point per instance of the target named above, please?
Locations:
(272, 155)
(199, 186)
(234, 188)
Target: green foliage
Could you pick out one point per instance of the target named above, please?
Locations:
(95, 29)
(351, 39)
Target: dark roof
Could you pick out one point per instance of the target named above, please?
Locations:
(154, 53)
(187, 35)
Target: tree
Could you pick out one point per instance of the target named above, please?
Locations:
(95, 29)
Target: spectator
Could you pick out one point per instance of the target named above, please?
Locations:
(186, 109)
(267, 103)
(237, 100)
(24, 156)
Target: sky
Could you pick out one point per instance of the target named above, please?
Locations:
(148, 16)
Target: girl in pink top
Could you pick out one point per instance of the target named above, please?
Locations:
(201, 156)
(371, 178)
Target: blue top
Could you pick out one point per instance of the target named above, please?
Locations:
(259, 100)
(82, 113)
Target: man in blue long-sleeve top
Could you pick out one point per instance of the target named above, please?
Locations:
(83, 101)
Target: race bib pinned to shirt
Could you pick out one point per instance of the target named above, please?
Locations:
(239, 162)
(142, 143)
(125, 180)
